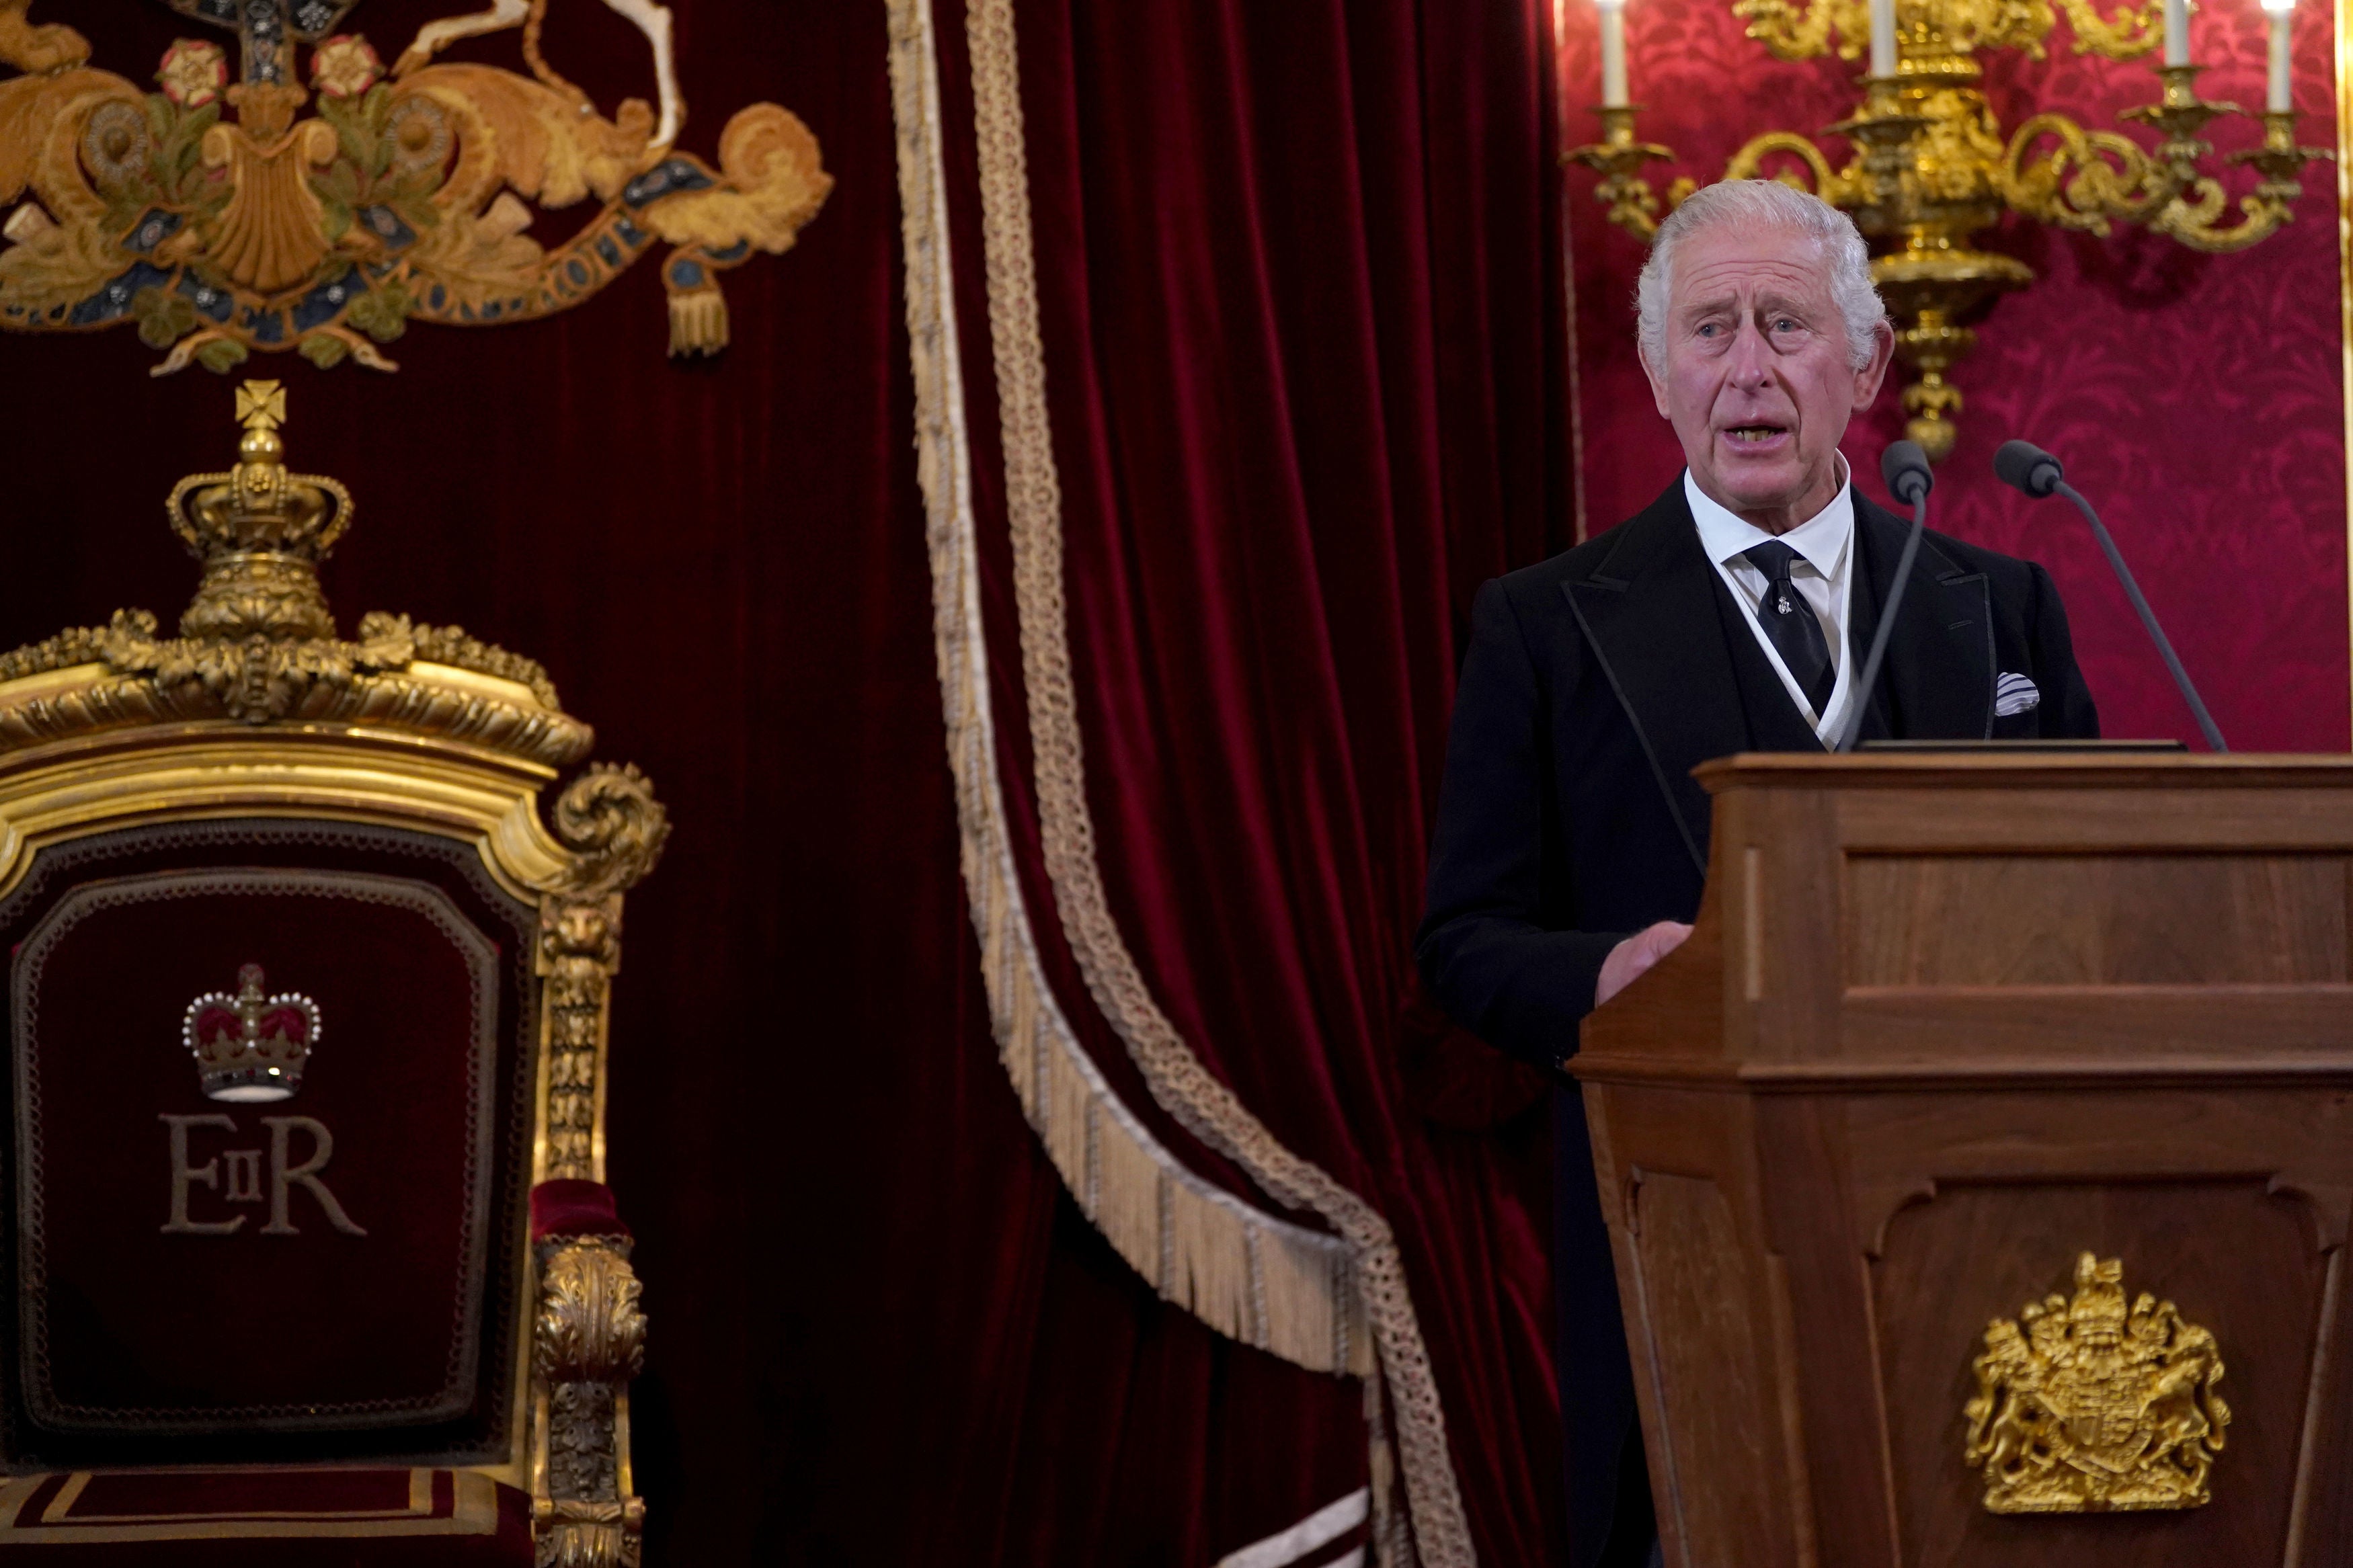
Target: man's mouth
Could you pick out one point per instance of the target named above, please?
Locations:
(1755, 435)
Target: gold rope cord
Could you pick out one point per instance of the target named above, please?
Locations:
(1182, 1086)
(1247, 1273)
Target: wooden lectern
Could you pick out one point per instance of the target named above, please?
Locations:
(1978, 1172)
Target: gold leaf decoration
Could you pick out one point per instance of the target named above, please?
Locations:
(225, 219)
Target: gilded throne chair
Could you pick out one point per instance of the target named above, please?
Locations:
(307, 1025)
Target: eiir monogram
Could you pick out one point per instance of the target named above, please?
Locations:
(244, 1184)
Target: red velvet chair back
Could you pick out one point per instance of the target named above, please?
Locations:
(307, 1023)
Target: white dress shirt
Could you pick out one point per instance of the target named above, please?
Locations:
(1821, 573)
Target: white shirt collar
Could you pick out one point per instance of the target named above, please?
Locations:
(1821, 540)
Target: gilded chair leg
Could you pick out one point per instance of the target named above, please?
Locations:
(588, 1342)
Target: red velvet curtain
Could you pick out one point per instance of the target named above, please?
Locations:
(1302, 308)
(1299, 276)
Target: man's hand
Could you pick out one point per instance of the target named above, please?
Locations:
(1633, 957)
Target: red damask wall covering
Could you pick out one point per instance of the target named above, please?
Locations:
(2198, 400)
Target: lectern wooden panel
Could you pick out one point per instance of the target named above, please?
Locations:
(1979, 1171)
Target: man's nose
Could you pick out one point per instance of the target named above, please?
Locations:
(1749, 364)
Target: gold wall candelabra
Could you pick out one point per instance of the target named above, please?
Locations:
(1931, 169)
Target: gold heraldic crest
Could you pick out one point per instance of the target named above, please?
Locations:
(2085, 1407)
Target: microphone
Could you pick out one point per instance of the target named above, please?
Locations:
(2030, 469)
(1904, 468)
(2023, 466)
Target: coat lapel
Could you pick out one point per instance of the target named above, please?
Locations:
(1938, 681)
(1663, 627)
(1649, 607)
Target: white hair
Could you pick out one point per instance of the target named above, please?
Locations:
(1764, 204)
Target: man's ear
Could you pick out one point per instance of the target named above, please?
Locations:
(1658, 380)
(1867, 379)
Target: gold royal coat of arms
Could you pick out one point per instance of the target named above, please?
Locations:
(221, 219)
(2085, 1407)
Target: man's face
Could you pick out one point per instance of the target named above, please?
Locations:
(1757, 381)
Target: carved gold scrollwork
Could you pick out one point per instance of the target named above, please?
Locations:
(592, 1535)
(1802, 35)
(610, 818)
(2131, 32)
(610, 821)
(1963, 27)
(2092, 177)
(590, 1330)
(588, 1339)
(1957, 149)
(2197, 200)
(580, 948)
(1749, 163)
(1951, 26)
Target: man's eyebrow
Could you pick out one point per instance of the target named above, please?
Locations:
(1708, 307)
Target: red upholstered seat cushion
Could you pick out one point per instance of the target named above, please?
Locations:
(268, 1517)
(573, 1208)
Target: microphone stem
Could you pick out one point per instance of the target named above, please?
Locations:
(1869, 675)
(2148, 619)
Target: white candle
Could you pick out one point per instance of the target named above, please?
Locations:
(1613, 54)
(2177, 32)
(1882, 37)
(2282, 97)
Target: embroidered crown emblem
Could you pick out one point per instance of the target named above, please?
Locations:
(2085, 1407)
(251, 1047)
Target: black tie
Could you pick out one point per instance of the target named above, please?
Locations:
(1790, 622)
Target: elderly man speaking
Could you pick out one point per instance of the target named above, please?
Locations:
(1728, 617)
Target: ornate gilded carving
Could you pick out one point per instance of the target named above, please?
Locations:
(590, 1337)
(2130, 32)
(590, 1329)
(610, 820)
(451, 645)
(222, 221)
(258, 642)
(579, 949)
(588, 1340)
(2085, 1407)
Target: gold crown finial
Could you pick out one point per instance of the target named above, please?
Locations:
(261, 532)
(261, 404)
